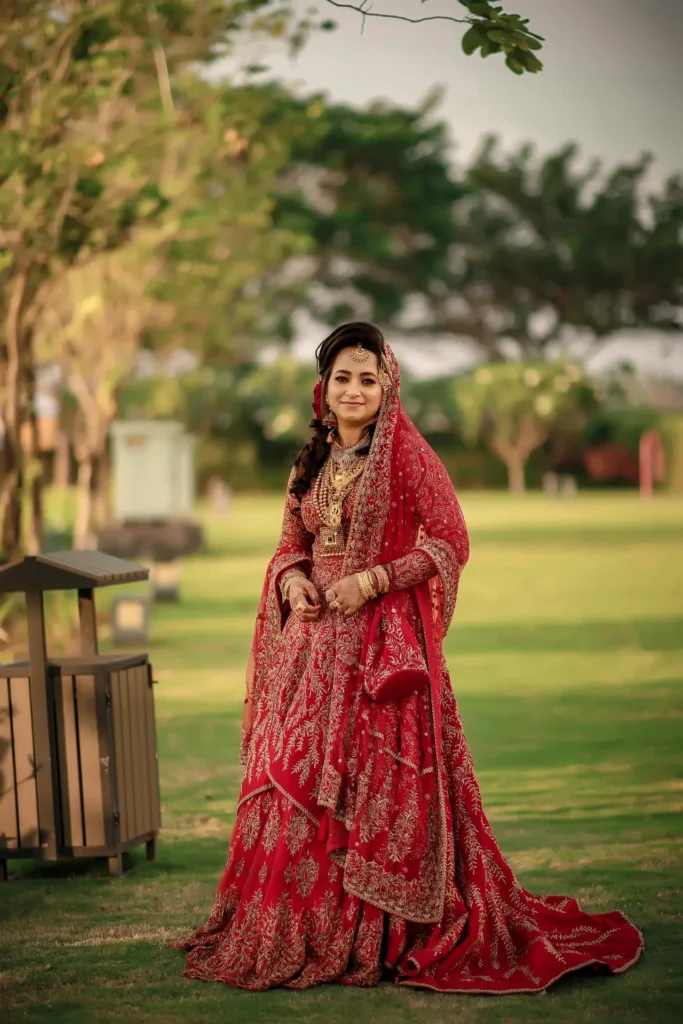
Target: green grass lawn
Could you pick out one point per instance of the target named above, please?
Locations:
(566, 656)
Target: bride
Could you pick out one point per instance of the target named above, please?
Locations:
(361, 850)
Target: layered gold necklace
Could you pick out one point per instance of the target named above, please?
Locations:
(333, 483)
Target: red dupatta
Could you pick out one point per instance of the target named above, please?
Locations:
(404, 500)
(382, 530)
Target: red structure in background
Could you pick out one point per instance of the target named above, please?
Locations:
(611, 462)
(650, 462)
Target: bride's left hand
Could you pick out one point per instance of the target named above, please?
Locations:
(346, 593)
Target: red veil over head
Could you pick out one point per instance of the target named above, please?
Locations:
(406, 499)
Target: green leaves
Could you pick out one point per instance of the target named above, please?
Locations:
(494, 31)
(473, 39)
(383, 232)
(554, 244)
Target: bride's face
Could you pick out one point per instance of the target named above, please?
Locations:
(354, 393)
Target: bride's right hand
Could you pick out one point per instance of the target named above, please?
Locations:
(303, 592)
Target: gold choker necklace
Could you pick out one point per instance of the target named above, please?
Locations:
(347, 457)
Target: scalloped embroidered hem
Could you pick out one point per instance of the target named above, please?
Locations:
(284, 917)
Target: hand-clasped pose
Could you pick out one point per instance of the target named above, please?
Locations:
(361, 850)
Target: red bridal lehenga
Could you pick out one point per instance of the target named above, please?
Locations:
(361, 850)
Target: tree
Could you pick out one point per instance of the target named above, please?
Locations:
(189, 278)
(515, 255)
(74, 74)
(372, 189)
(68, 69)
(222, 257)
(514, 406)
(91, 327)
(491, 30)
(545, 247)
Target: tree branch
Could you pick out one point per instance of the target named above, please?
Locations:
(160, 62)
(363, 9)
(63, 207)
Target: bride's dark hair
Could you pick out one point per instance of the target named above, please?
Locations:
(311, 458)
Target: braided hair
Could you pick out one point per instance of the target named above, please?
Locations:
(311, 458)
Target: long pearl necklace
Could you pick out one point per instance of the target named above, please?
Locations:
(332, 485)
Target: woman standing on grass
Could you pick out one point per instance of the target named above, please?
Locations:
(361, 849)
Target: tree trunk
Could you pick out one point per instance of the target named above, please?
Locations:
(13, 417)
(62, 453)
(10, 496)
(515, 464)
(101, 493)
(83, 502)
(36, 534)
(10, 503)
(515, 453)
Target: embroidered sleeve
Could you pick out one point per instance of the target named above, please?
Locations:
(411, 569)
(294, 550)
(443, 532)
(442, 539)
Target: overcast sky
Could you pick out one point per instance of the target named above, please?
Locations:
(613, 79)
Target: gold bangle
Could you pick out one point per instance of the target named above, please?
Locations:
(365, 585)
(382, 578)
(361, 585)
(287, 581)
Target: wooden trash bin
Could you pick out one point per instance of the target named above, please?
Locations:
(78, 758)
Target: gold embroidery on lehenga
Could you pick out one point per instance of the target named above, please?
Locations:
(298, 831)
(306, 873)
(399, 778)
(402, 833)
(376, 817)
(250, 825)
(271, 831)
(412, 899)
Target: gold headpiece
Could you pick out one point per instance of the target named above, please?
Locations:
(360, 354)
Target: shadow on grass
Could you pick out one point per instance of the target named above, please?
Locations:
(646, 634)
(582, 534)
(655, 634)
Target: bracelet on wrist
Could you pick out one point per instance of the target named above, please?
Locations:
(288, 579)
(382, 579)
(365, 585)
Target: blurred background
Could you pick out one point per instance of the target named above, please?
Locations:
(177, 240)
(192, 194)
